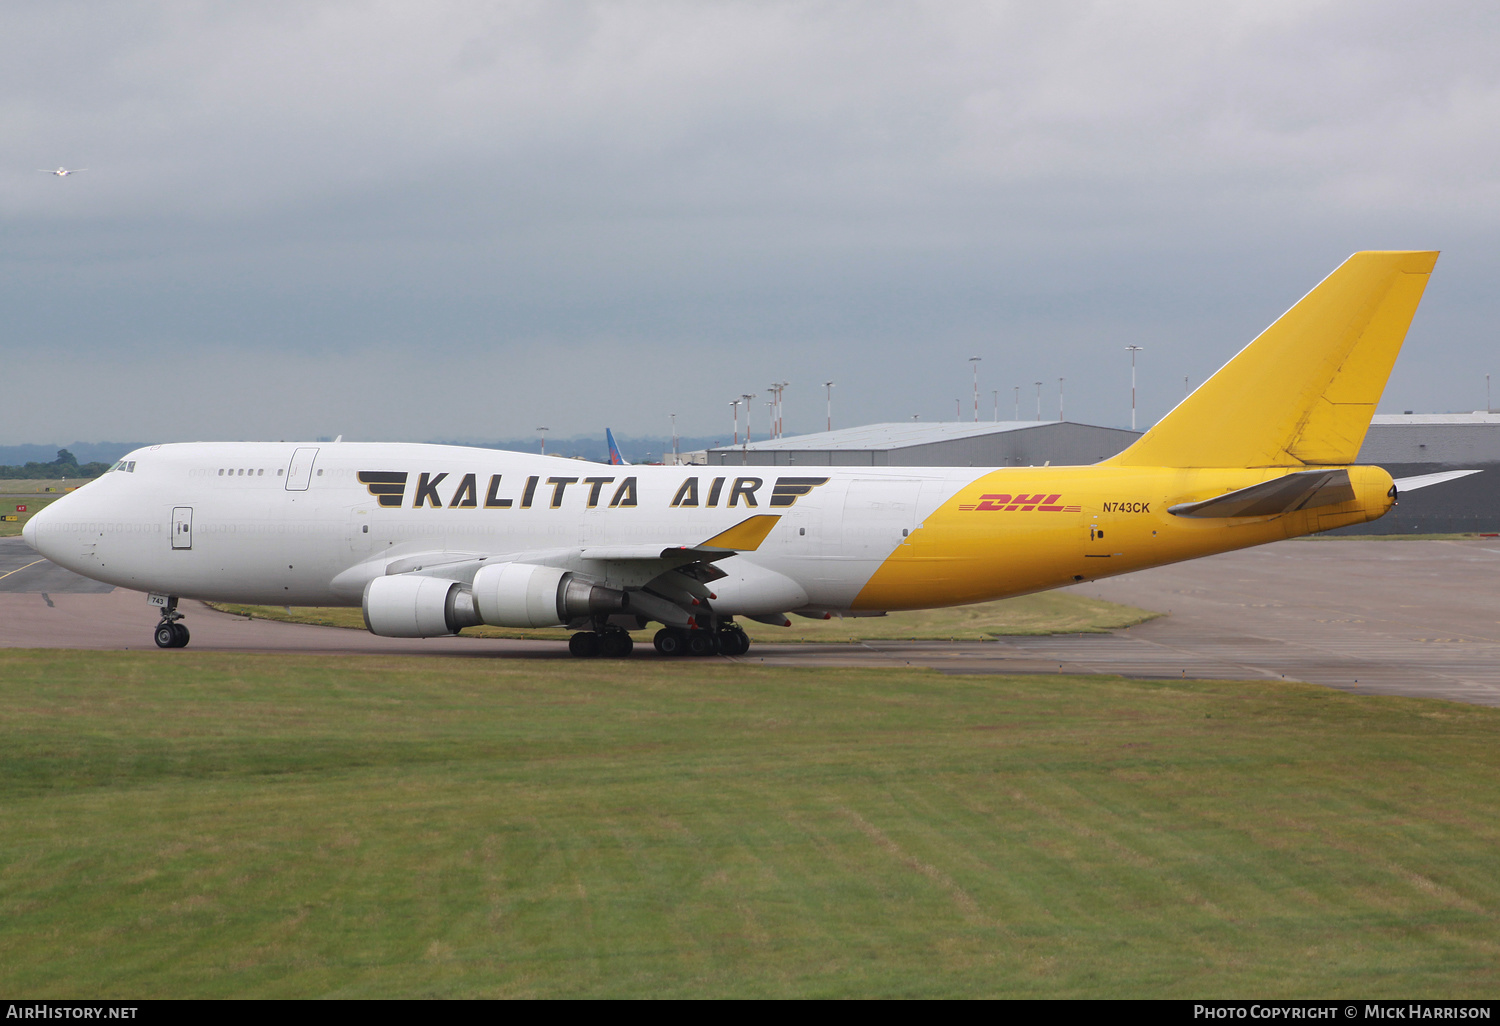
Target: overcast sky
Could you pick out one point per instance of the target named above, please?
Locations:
(465, 220)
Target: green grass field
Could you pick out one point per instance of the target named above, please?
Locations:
(177, 824)
(8, 504)
(1048, 613)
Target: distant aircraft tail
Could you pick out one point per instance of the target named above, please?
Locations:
(1302, 393)
(615, 459)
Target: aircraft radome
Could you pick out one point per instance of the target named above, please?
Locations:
(431, 539)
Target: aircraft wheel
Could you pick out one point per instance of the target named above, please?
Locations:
(183, 637)
(165, 636)
(701, 643)
(734, 642)
(584, 644)
(670, 642)
(616, 645)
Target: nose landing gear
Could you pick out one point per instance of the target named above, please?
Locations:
(170, 633)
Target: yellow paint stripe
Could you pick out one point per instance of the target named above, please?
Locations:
(20, 568)
(745, 536)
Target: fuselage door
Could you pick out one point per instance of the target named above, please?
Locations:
(182, 527)
(299, 471)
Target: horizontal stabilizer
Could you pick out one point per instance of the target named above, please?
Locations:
(1411, 484)
(1308, 489)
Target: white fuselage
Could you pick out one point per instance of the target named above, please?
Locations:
(290, 524)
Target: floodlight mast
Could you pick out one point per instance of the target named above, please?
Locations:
(828, 386)
(1038, 399)
(543, 432)
(975, 361)
(1132, 350)
(1060, 398)
(996, 393)
(1018, 402)
(735, 404)
(744, 449)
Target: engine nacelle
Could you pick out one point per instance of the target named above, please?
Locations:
(525, 595)
(408, 606)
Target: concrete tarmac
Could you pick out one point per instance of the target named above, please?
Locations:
(1419, 618)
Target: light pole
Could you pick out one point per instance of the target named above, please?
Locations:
(996, 393)
(1038, 400)
(1132, 350)
(675, 453)
(1018, 402)
(735, 403)
(1487, 407)
(958, 410)
(1059, 398)
(975, 361)
(543, 432)
(828, 387)
(747, 397)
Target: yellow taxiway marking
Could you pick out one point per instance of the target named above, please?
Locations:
(20, 568)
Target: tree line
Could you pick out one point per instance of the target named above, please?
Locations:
(66, 465)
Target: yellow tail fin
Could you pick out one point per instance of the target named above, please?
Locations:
(1304, 391)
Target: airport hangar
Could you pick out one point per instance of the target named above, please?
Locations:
(1407, 445)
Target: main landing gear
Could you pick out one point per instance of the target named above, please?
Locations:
(615, 644)
(728, 640)
(170, 633)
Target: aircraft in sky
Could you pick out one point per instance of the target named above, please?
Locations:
(431, 539)
(62, 172)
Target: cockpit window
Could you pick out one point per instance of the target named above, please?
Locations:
(128, 466)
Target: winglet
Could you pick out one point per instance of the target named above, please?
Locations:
(744, 536)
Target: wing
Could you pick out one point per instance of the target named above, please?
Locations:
(665, 581)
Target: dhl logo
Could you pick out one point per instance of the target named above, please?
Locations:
(1025, 503)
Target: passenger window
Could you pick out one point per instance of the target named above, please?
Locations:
(260, 473)
(221, 471)
(320, 473)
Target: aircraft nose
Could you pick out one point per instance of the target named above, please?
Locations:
(35, 528)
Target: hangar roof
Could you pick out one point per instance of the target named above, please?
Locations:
(1477, 417)
(898, 434)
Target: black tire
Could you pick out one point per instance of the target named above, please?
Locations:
(616, 645)
(183, 637)
(734, 642)
(701, 643)
(584, 644)
(165, 636)
(670, 642)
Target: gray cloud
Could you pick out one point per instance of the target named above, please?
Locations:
(464, 220)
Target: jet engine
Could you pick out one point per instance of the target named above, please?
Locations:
(525, 595)
(407, 606)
